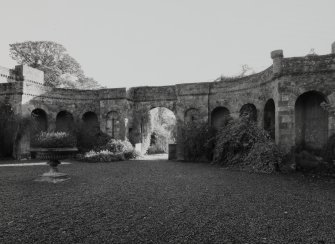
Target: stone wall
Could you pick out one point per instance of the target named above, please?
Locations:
(123, 113)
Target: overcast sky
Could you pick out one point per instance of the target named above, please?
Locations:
(154, 42)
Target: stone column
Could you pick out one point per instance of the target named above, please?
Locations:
(333, 48)
(285, 121)
(51, 122)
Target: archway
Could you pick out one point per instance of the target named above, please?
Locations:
(112, 122)
(311, 121)
(191, 115)
(64, 122)
(270, 118)
(8, 125)
(249, 111)
(220, 116)
(91, 122)
(39, 120)
(88, 136)
(158, 131)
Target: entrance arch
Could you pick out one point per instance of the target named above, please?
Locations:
(158, 130)
(311, 120)
(270, 118)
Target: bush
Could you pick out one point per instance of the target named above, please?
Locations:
(113, 150)
(53, 140)
(197, 141)
(243, 144)
(92, 140)
(328, 152)
(102, 156)
(159, 141)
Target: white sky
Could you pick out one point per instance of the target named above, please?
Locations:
(160, 42)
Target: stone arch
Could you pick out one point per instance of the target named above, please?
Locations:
(220, 117)
(64, 121)
(270, 118)
(149, 133)
(112, 121)
(191, 115)
(39, 119)
(90, 121)
(311, 120)
(249, 110)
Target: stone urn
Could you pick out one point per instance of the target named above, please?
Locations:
(54, 157)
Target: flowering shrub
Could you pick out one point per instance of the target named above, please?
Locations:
(54, 140)
(113, 150)
(103, 156)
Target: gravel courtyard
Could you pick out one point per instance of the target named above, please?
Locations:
(160, 201)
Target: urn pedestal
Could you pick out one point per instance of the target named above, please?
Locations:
(53, 157)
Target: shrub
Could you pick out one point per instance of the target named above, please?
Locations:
(159, 141)
(53, 140)
(102, 156)
(92, 140)
(113, 150)
(243, 144)
(197, 141)
(328, 152)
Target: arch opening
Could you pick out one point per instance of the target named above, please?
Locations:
(270, 118)
(91, 122)
(311, 121)
(89, 132)
(249, 111)
(65, 122)
(40, 120)
(158, 131)
(220, 116)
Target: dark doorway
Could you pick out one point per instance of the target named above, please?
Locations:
(64, 122)
(220, 116)
(270, 118)
(39, 120)
(311, 120)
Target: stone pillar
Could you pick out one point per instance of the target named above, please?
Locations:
(277, 57)
(180, 146)
(333, 48)
(285, 121)
(51, 122)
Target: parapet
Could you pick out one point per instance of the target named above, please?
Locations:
(24, 72)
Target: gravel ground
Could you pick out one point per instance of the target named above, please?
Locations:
(160, 201)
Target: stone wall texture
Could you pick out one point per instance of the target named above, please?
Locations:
(123, 112)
